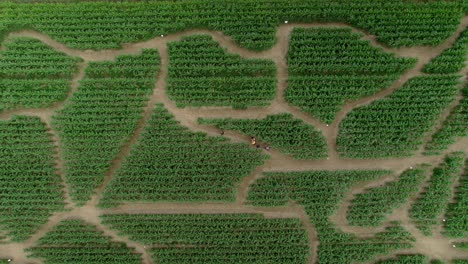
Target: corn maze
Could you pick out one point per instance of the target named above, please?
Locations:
(249, 131)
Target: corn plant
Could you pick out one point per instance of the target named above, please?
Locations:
(451, 60)
(32, 74)
(371, 207)
(454, 126)
(406, 259)
(433, 201)
(319, 193)
(100, 117)
(396, 125)
(327, 67)
(457, 219)
(74, 241)
(283, 132)
(252, 24)
(30, 189)
(215, 238)
(201, 73)
(171, 163)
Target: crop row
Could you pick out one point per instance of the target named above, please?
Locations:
(32, 74)
(328, 66)
(252, 24)
(407, 259)
(74, 241)
(454, 126)
(396, 125)
(171, 163)
(30, 189)
(451, 60)
(371, 207)
(457, 218)
(282, 131)
(101, 115)
(202, 73)
(215, 238)
(320, 192)
(433, 201)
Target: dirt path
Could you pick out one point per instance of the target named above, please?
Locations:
(436, 246)
(339, 217)
(116, 163)
(45, 114)
(89, 214)
(16, 252)
(278, 162)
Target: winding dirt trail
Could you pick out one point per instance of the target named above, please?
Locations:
(435, 246)
(339, 217)
(45, 114)
(278, 162)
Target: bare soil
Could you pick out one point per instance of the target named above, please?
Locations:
(436, 246)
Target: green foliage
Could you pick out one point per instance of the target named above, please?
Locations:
(457, 218)
(371, 207)
(319, 192)
(462, 245)
(406, 259)
(201, 73)
(74, 241)
(100, 117)
(454, 126)
(32, 74)
(282, 131)
(396, 125)
(215, 238)
(30, 189)
(460, 261)
(251, 23)
(452, 60)
(328, 66)
(171, 163)
(433, 201)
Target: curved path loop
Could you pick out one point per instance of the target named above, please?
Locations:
(436, 246)
(278, 162)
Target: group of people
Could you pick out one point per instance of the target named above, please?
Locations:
(253, 141)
